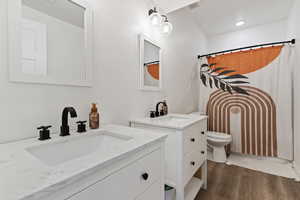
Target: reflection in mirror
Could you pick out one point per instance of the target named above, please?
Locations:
(151, 64)
(53, 39)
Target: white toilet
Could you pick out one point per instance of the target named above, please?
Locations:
(218, 141)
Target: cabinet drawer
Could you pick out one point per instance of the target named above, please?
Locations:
(194, 138)
(192, 163)
(127, 183)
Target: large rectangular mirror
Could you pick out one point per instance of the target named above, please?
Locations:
(150, 64)
(50, 42)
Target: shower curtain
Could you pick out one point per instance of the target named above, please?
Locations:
(260, 119)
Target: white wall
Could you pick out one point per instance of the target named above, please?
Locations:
(273, 32)
(182, 79)
(294, 32)
(116, 72)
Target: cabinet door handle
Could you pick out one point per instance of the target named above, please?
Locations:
(202, 132)
(203, 152)
(193, 163)
(193, 140)
(145, 176)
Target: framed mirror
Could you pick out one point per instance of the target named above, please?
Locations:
(150, 64)
(50, 42)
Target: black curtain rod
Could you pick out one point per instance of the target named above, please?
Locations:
(150, 63)
(293, 41)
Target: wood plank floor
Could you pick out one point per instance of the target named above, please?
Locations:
(236, 183)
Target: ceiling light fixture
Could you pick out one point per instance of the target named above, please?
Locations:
(166, 27)
(154, 17)
(161, 21)
(240, 23)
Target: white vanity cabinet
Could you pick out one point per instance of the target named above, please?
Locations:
(185, 153)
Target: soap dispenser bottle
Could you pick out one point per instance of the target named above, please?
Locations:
(94, 117)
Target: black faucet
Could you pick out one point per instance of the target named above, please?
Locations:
(65, 129)
(157, 112)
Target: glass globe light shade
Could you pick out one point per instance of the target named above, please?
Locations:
(155, 19)
(166, 28)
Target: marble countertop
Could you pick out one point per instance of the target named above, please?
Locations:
(23, 176)
(180, 121)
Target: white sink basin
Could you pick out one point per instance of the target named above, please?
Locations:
(72, 148)
(172, 119)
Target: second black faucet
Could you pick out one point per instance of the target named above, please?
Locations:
(160, 112)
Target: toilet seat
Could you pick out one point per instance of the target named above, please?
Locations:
(218, 136)
(219, 140)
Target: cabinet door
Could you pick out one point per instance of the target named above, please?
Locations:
(153, 193)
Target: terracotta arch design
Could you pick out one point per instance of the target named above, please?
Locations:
(154, 71)
(258, 119)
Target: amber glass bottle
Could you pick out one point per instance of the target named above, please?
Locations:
(94, 117)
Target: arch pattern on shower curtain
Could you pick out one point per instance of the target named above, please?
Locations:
(256, 131)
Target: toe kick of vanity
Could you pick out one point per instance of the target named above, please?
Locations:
(185, 155)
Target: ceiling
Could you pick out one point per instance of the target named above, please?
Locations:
(172, 5)
(64, 10)
(220, 16)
